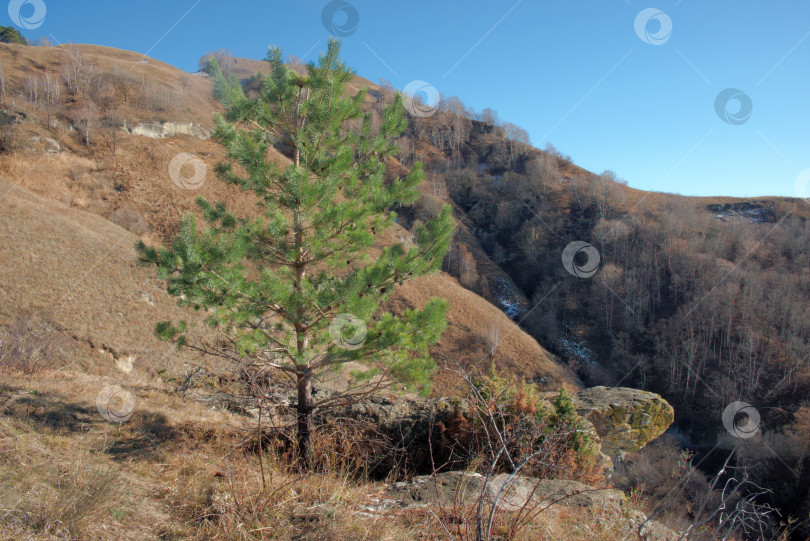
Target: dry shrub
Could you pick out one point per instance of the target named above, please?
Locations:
(98, 186)
(28, 345)
(514, 429)
(427, 208)
(48, 496)
(99, 207)
(657, 472)
(76, 172)
(8, 138)
(66, 505)
(130, 220)
(237, 504)
(353, 448)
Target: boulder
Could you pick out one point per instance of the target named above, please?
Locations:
(625, 419)
(510, 493)
(458, 490)
(160, 130)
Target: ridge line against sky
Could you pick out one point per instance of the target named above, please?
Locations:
(616, 85)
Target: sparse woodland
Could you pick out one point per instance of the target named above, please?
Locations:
(702, 310)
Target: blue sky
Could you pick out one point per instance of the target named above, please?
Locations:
(575, 73)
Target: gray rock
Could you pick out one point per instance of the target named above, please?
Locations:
(457, 490)
(625, 419)
(160, 130)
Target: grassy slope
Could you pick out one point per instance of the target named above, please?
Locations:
(137, 179)
(175, 463)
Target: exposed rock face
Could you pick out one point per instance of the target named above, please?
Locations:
(421, 430)
(457, 490)
(625, 419)
(510, 494)
(52, 146)
(160, 130)
(425, 432)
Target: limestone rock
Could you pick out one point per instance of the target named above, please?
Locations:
(160, 130)
(622, 419)
(511, 493)
(625, 419)
(457, 490)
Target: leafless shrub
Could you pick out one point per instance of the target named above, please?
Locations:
(124, 83)
(550, 149)
(76, 72)
(513, 429)
(28, 346)
(101, 91)
(224, 57)
(130, 220)
(427, 208)
(85, 119)
(76, 172)
(8, 136)
(296, 65)
(159, 97)
(515, 432)
(64, 506)
(2, 85)
(109, 129)
(727, 505)
(494, 339)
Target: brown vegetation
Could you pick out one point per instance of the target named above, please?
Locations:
(681, 299)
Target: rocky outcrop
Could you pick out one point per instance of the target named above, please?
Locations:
(625, 419)
(51, 146)
(9, 117)
(507, 492)
(462, 490)
(160, 130)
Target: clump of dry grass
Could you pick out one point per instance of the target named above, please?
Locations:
(28, 346)
(130, 220)
(233, 502)
(42, 493)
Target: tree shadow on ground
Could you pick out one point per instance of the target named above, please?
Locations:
(144, 436)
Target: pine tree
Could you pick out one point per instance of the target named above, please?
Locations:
(295, 287)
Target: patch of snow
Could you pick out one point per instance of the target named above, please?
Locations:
(576, 348)
(755, 213)
(507, 296)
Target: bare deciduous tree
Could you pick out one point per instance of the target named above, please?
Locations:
(52, 88)
(2, 85)
(494, 339)
(490, 116)
(75, 70)
(124, 83)
(88, 116)
(224, 57)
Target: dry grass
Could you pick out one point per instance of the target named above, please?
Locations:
(172, 471)
(176, 470)
(471, 316)
(28, 346)
(112, 309)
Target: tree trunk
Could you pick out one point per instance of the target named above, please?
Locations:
(304, 412)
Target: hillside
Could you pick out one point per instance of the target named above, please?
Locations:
(702, 300)
(133, 187)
